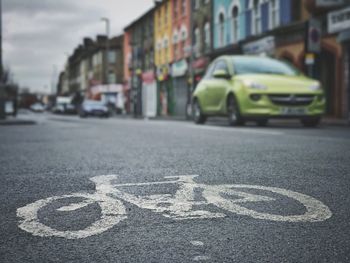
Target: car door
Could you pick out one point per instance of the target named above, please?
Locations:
(204, 97)
(217, 87)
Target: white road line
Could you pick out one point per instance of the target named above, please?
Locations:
(201, 258)
(197, 243)
(229, 129)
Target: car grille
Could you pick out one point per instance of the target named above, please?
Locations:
(291, 99)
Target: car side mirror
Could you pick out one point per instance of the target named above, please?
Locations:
(221, 74)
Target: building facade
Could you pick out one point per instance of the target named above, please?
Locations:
(140, 55)
(164, 55)
(91, 65)
(202, 38)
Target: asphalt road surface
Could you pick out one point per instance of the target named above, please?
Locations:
(122, 190)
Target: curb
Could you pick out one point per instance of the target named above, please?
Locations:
(14, 122)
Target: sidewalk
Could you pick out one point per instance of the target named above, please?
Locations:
(16, 121)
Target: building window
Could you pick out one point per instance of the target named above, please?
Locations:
(166, 14)
(112, 57)
(183, 7)
(221, 30)
(235, 28)
(175, 9)
(207, 41)
(256, 17)
(274, 14)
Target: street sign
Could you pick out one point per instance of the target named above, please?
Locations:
(313, 39)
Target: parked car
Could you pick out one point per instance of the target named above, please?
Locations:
(254, 88)
(37, 107)
(93, 108)
(58, 109)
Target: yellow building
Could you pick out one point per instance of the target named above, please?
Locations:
(163, 34)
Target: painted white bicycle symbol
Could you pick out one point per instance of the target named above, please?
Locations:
(179, 206)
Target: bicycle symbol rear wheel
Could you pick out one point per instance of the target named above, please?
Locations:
(112, 212)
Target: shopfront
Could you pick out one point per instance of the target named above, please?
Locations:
(165, 91)
(179, 76)
(339, 23)
(149, 94)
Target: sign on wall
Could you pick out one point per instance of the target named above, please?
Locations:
(329, 3)
(339, 20)
(265, 45)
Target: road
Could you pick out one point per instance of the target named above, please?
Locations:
(93, 190)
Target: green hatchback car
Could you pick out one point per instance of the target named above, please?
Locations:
(246, 88)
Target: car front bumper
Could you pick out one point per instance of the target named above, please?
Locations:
(264, 107)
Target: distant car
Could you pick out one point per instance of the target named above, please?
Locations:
(93, 108)
(37, 107)
(70, 109)
(255, 88)
(58, 109)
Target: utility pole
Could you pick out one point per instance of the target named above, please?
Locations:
(1, 65)
(2, 85)
(106, 20)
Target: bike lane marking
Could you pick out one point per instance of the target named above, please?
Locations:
(179, 206)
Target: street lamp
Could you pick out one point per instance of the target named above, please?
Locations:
(106, 20)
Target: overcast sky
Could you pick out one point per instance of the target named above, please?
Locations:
(38, 33)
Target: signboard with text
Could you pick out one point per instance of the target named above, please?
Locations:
(339, 20)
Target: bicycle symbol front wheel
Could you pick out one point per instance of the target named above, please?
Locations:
(112, 212)
(316, 211)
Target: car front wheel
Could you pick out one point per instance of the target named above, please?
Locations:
(198, 116)
(233, 113)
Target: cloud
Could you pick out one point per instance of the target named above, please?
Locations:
(38, 33)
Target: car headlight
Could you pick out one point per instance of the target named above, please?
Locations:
(314, 87)
(254, 85)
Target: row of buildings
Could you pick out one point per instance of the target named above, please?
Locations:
(165, 52)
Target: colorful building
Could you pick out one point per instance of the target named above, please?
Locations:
(141, 65)
(202, 43)
(164, 54)
(188, 34)
(229, 23)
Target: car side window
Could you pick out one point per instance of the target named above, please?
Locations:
(222, 65)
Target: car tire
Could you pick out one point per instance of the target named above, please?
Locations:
(198, 116)
(311, 122)
(233, 112)
(82, 114)
(262, 122)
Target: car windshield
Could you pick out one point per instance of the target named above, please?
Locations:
(94, 103)
(258, 65)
